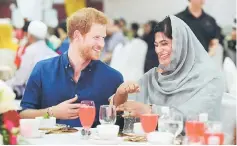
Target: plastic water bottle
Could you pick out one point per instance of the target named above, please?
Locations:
(164, 119)
(203, 117)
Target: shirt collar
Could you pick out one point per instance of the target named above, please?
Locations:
(188, 13)
(67, 64)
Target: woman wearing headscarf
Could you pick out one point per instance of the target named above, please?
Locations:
(186, 77)
(6, 39)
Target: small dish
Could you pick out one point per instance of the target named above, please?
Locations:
(47, 123)
(160, 138)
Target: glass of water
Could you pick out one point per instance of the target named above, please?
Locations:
(107, 114)
(175, 124)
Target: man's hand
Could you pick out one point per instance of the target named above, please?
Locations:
(67, 109)
(135, 108)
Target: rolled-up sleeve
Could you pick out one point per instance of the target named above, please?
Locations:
(31, 97)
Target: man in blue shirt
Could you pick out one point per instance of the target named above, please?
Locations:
(57, 85)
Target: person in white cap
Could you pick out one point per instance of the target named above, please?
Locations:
(35, 52)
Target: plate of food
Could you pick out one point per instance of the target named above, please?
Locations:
(135, 138)
(64, 130)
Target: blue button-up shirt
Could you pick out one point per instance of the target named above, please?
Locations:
(51, 82)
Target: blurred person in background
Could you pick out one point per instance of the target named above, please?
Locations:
(61, 32)
(50, 44)
(36, 50)
(58, 85)
(23, 41)
(231, 43)
(114, 36)
(23, 44)
(151, 60)
(123, 25)
(202, 24)
(6, 38)
(134, 29)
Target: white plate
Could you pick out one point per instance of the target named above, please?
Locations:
(97, 140)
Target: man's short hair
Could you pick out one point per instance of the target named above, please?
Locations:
(83, 19)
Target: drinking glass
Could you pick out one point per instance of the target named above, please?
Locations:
(194, 130)
(87, 116)
(107, 114)
(214, 135)
(149, 121)
(129, 124)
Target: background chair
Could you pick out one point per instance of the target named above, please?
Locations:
(230, 73)
(130, 59)
(228, 117)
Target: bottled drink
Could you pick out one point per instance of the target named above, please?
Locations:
(203, 117)
(174, 127)
(163, 122)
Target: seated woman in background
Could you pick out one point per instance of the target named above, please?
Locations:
(185, 79)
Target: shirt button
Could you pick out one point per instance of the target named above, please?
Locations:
(69, 65)
(72, 80)
(89, 69)
(66, 67)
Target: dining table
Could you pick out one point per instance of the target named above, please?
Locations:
(76, 139)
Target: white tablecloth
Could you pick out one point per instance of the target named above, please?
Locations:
(73, 139)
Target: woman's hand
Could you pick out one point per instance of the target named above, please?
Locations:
(134, 108)
(128, 87)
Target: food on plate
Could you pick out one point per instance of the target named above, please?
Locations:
(136, 139)
(61, 130)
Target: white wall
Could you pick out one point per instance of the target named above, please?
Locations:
(58, 1)
(31, 9)
(142, 10)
